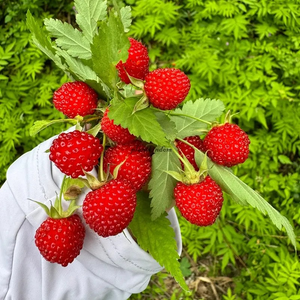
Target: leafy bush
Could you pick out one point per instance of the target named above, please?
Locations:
(245, 53)
(27, 82)
(242, 52)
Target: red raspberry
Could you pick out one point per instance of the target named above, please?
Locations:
(60, 240)
(109, 209)
(116, 133)
(75, 98)
(199, 203)
(137, 63)
(71, 152)
(166, 88)
(137, 167)
(228, 145)
(188, 151)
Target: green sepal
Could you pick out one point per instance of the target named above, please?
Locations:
(94, 130)
(71, 209)
(78, 127)
(52, 212)
(43, 206)
(136, 82)
(72, 188)
(176, 175)
(91, 181)
(141, 104)
(117, 168)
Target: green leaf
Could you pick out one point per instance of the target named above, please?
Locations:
(162, 184)
(185, 267)
(204, 109)
(167, 125)
(284, 159)
(82, 72)
(109, 47)
(243, 194)
(157, 237)
(69, 38)
(42, 41)
(40, 125)
(89, 12)
(126, 17)
(142, 123)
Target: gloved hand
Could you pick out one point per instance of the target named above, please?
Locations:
(109, 268)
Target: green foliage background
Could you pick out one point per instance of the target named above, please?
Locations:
(245, 53)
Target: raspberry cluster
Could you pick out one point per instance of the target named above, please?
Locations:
(124, 161)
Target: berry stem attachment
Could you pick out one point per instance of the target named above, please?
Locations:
(101, 173)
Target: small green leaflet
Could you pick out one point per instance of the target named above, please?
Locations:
(109, 47)
(142, 123)
(40, 125)
(157, 237)
(42, 41)
(69, 38)
(243, 194)
(162, 184)
(126, 17)
(89, 12)
(205, 109)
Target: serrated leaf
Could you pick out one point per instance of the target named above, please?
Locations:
(126, 17)
(42, 41)
(40, 125)
(142, 123)
(109, 47)
(205, 109)
(167, 125)
(39, 33)
(157, 237)
(89, 12)
(161, 183)
(69, 39)
(82, 72)
(244, 194)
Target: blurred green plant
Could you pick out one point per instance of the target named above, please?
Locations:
(246, 53)
(27, 82)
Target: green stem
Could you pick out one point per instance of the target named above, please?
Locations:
(101, 173)
(91, 119)
(60, 194)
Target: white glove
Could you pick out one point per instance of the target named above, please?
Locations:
(107, 268)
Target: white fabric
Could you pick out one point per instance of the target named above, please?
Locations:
(107, 268)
